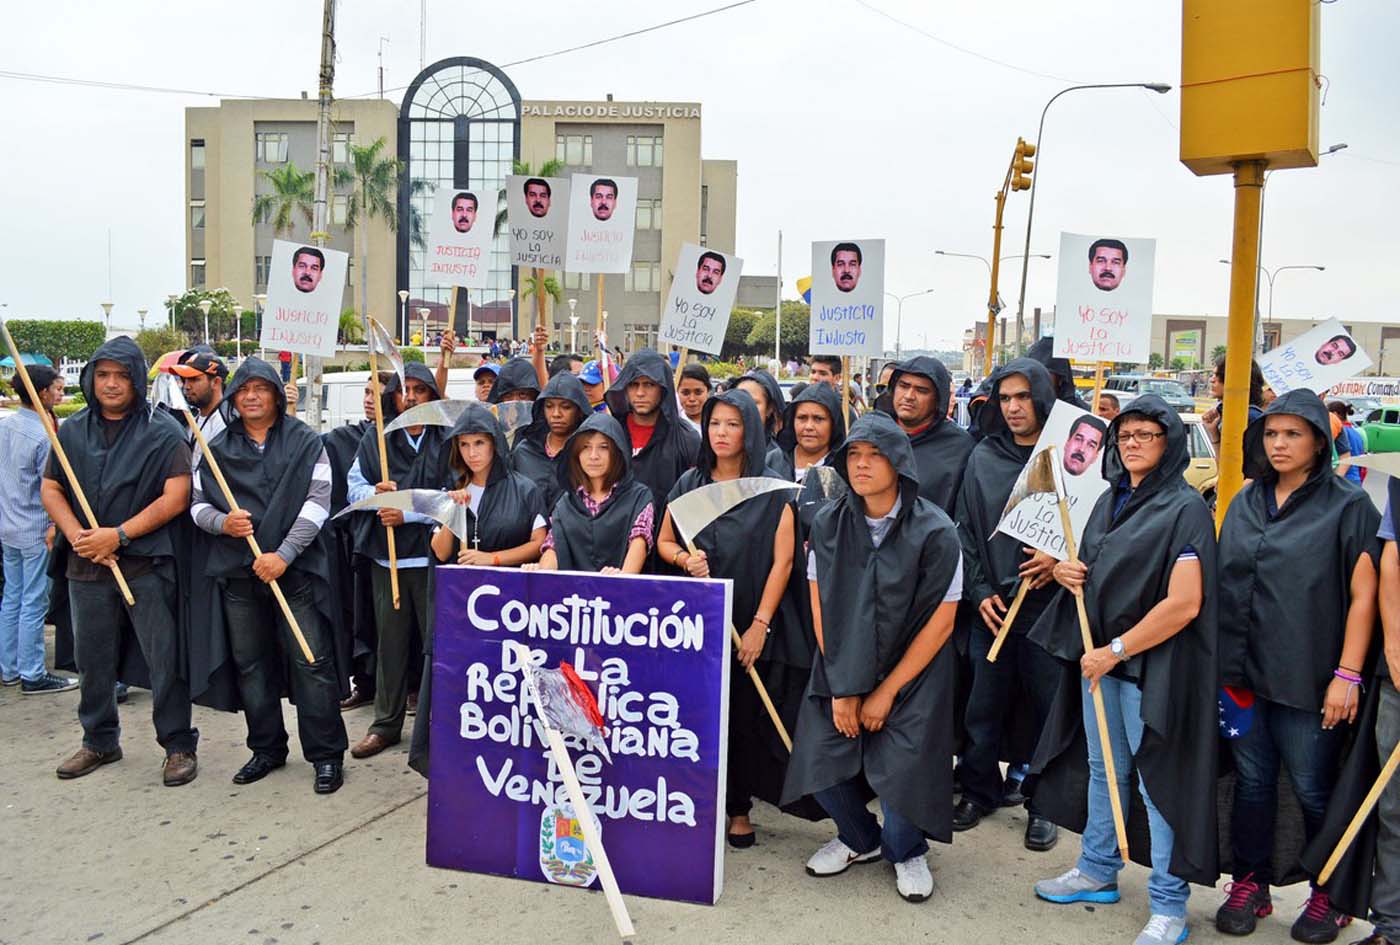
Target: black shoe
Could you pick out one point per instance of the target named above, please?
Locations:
(122, 692)
(257, 768)
(1011, 795)
(1321, 921)
(741, 841)
(968, 814)
(330, 775)
(1041, 834)
(47, 683)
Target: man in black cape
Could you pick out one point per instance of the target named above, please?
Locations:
(663, 444)
(415, 461)
(1060, 371)
(877, 716)
(517, 380)
(132, 464)
(920, 390)
(557, 413)
(278, 472)
(1134, 543)
(355, 618)
(1009, 699)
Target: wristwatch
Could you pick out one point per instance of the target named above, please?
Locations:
(1116, 647)
(122, 539)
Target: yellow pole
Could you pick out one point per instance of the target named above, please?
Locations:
(1098, 386)
(1239, 337)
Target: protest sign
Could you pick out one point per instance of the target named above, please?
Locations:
(848, 298)
(702, 294)
(1103, 302)
(305, 289)
(655, 651)
(1078, 438)
(602, 217)
(537, 213)
(1316, 359)
(461, 232)
(1386, 389)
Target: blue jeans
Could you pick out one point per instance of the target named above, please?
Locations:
(898, 839)
(1098, 857)
(22, 612)
(1296, 739)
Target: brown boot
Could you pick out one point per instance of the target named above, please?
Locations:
(371, 744)
(180, 768)
(86, 761)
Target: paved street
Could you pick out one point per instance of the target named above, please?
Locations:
(116, 858)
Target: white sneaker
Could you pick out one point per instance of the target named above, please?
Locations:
(835, 857)
(1163, 930)
(913, 880)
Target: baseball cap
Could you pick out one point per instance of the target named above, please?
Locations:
(196, 363)
(592, 373)
(494, 369)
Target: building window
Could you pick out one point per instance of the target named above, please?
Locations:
(574, 150)
(649, 213)
(271, 147)
(340, 206)
(340, 147)
(643, 277)
(637, 336)
(196, 154)
(643, 150)
(196, 214)
(196, 273)
(576, 280)
(262, 267)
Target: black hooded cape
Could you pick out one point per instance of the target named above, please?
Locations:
(823, 395)
(875, 601)
(516, 374)
(774, 392)
(529, 457)
(674, 443)
(1130, 558)
(587, 542)
(1060, 371)
(356, 616)
(941, 450)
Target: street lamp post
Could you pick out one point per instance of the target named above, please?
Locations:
(259, 303)
(1161, 88)
(423, 314)
(107, 315)
(510, 312)
(403, 313)
(1269, 277)
(204, 306)
(983, 260)
(1263, 192)
(237, 330)
(141, 316)
(573, 326)
(899, 319)
(170, 301)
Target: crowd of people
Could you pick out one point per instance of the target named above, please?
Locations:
(1216, 666)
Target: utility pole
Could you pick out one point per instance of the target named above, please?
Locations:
(778, 308)
(1016, 179)
(321, 215)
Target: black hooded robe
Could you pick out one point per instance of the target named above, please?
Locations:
(739, 546)
(875, 601)
(356, 615)
(1285, 590)
(517, 374)
(774, 392)
(942, 448)
(1130, 558)
(584, 541)
(530, 457)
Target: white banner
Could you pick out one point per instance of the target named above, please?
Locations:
(1103, 301)
(702, 296)
(848, 298)
(460, 236)
(1316, 359)
(305, 288)
(537, 209)
(602, 218)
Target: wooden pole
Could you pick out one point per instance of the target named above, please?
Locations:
(1010, 618)
(1098, 386)
(52, 434)
(252, 542)
(680, 366)
(1087, 639)
(600, 325)
(1359, 818)
(451, 316)
(292, 379)
(845, 389)
(384, 465)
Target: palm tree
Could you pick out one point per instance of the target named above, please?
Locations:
(293, 192)
(374, 193)
(537, 278)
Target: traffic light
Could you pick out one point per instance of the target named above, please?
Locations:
(1022, 165)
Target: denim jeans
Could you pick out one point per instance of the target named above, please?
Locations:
(1099, 858)
(858, 829)
(1296, 739)
(255, 624)
(100, 617)
(1385, 889)
(1021, 667)
(22, 612)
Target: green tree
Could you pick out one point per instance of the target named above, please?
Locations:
(155, 342)
(736, 335)
(795, 331)
(1217, 354)
(57, 340)
(1154, 362)
(352, 330)
(537, 285)
(184, 313)
(550, 168)
(293, 194)
(374, 192)
(1178, 364)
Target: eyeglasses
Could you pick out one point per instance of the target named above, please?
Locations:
(1141, 437)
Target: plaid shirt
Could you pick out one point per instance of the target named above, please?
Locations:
(25, 449)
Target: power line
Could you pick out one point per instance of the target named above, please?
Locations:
(118, 86)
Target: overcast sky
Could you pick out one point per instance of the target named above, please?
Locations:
(844, 124)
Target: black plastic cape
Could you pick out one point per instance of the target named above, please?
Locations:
(516, 374)
(1130, 558)
(875, 601)
(584, 541)
(356, 615)
(940, 450)
(529, 456)
(674, 443)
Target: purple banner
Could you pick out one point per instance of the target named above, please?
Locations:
(655, 653)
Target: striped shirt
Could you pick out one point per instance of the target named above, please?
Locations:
(25, 448)
(357, 488)
(315, 509)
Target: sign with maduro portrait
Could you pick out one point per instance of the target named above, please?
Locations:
(655, 654)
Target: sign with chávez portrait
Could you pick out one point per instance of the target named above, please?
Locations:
(537, 212)
(460, 235)
(1079, 440)
(703, 288)
(1317, 359)
(1103, 302)
(602, 218)
(848, 298)
(305, 288)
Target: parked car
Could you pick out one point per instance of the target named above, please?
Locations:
(1363, 409)
(1128, 387)
(1382, 430)
(1203, 470)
